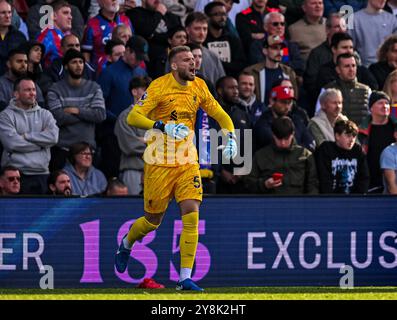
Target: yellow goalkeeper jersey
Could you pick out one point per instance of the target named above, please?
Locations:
(167, 100)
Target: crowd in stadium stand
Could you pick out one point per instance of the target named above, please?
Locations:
(315, 82)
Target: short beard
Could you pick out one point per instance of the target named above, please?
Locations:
(75, 76)
(19, 74)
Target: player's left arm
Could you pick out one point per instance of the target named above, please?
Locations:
(214, 110)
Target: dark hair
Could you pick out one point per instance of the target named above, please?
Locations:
(16, 51)
(58, 4)
(338, 37)
(76, 148)
(208, 8)
(282, 127)
(344, 56)
(110, 44)
(220, 82)
(3, 170)
(19, 80)
(174, 51)
(171, 32)
(345, 126)
(139, 82)
(52, 178)
(194, 46)
(195, 16)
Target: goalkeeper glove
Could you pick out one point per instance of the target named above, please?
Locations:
(230, 149)
(177, 131)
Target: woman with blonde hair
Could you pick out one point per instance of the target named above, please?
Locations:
(390, 88)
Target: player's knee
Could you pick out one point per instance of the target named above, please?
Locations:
(190, 205)
(154, 219)
(191, 220)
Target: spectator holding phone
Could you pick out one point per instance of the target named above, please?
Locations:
(283, 167)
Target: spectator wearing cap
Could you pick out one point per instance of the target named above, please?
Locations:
(152, 21)
(322, 125)
(281, 103)
(226, 46)
(57, 72)
(114, 50)
(11, 38)
(51, 36)
(77, 105)
(274, 24)
(17, 64)
(271, 69)
(309, 32)
(114, 82)
(376, 132)
(355, 94)
(27, 132)
(10, 181)
(283, 167)
(99, 30)
(341, 164)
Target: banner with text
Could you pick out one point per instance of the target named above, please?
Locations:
(244, 241)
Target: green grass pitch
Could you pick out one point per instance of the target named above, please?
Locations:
(237, 293)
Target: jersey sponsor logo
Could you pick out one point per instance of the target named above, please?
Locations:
(174, 115)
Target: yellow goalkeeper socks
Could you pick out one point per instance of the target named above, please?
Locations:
(189, 239)
(139, 229)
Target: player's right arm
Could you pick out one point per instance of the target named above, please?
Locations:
(138, 116)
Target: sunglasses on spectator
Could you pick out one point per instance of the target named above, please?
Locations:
(276, 24)
(12, 179)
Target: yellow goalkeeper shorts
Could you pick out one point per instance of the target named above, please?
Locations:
(162, 184)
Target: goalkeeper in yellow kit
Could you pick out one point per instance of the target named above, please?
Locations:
(171, 167)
